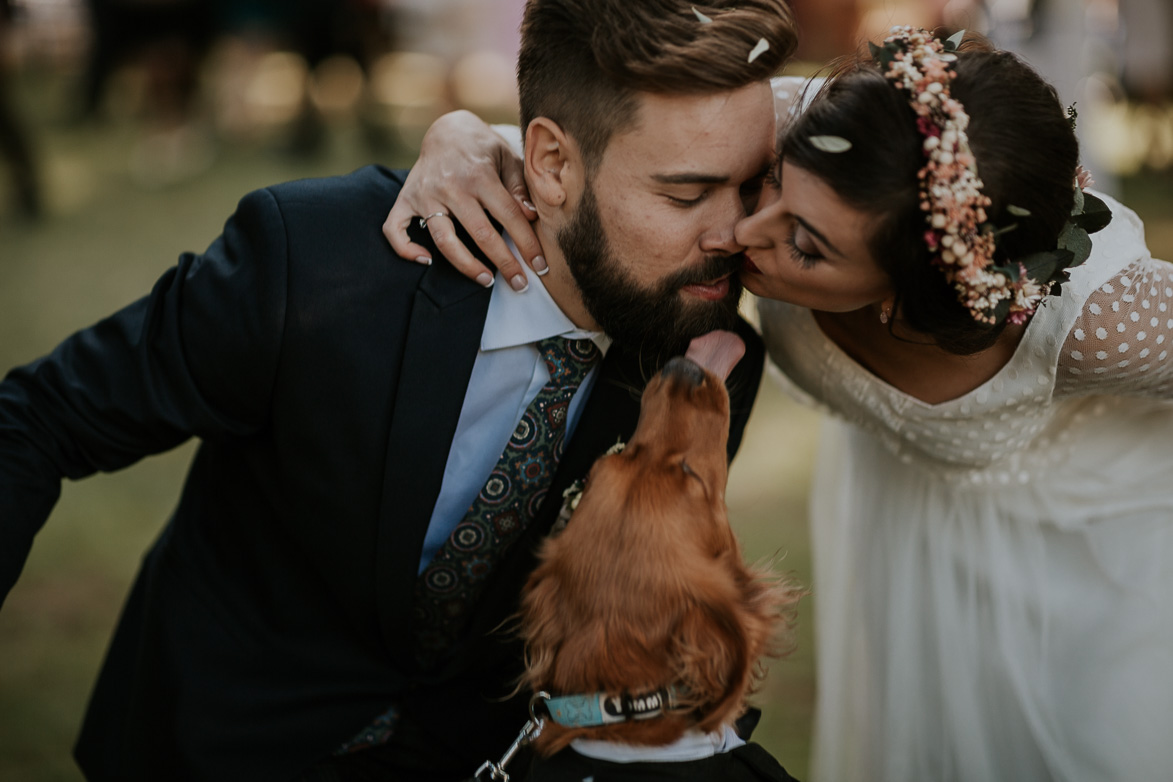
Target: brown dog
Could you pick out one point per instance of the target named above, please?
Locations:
(646, 588)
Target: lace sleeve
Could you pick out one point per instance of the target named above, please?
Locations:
(1121, 342)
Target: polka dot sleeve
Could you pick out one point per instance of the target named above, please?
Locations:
(1121, 342)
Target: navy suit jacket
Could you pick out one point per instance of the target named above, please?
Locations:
(324, 377)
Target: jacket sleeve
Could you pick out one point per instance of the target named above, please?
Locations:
(196, 357)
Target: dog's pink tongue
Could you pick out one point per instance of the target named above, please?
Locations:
(717, 351)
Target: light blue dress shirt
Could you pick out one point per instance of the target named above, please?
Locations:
(506, 377)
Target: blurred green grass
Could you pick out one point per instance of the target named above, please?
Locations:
(104, 242)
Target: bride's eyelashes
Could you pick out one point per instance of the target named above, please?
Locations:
(805, 259)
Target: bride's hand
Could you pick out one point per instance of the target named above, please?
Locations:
(465, 170)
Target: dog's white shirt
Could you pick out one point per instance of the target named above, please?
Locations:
(693, 745)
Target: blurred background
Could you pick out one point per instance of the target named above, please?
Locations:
(130, 128)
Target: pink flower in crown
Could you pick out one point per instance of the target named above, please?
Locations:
(927, 127)
(932, 240)
(937, 69)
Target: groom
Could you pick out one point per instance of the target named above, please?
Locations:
(337, 569)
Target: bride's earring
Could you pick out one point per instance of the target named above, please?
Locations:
(883, 314)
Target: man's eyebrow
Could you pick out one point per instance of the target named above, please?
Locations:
(818, 235)
(690, 178)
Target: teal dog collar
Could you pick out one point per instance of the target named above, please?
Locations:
(600, 708)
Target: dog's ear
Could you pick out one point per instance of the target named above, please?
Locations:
(543, 627)
(715, 659)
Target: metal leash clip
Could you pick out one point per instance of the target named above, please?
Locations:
(532, 729)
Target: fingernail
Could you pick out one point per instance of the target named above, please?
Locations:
(540, 265)
(528, 205)
(425, 260)
(519, 283)
(485, 279)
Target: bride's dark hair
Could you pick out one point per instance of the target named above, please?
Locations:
(1026, 154)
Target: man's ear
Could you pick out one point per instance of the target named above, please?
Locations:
(553, 166)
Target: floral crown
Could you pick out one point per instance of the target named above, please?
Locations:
(959, 236)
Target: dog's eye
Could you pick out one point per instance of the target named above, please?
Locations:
(688, 471)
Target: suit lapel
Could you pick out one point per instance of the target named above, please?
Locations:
(441, 345)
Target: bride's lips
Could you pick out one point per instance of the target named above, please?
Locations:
(751, 267)
(714, 290)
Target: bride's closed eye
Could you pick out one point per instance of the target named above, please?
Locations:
(806, 257)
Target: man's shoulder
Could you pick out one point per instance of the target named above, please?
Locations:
(372, 181)
(331, 228)
(363, 196)
(338, 208)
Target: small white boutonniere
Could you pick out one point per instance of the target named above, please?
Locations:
(573, 493)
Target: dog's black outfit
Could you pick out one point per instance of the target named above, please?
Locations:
(748, 763)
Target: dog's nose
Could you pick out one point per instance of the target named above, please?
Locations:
(685, 371)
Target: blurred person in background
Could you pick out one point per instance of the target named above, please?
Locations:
(315, 31)
(1111, 59)
(1148, 57)
(173, 44)
(991, 515)
(294, 617)
(15, 145)
(170, 36)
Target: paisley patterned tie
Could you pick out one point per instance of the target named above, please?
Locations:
(450, 586)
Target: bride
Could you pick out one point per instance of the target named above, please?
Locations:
(992, 514)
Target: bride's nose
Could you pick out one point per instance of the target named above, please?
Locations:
(748, 231)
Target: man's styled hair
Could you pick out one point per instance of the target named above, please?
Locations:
(582, 62)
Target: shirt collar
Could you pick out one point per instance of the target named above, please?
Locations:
(693, 745)
(522, 318)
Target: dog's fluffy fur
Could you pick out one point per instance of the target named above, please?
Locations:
(646, 587)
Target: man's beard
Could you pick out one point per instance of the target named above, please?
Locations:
(657, 321)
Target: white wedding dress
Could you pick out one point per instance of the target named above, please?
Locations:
(994, 574)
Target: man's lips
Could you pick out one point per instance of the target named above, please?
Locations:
(713, 290)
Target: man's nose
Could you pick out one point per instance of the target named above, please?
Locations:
(721, 238)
